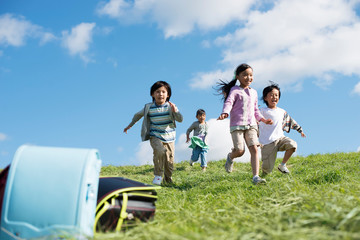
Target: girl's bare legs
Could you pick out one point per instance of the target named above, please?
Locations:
(229, 159)
(235, 153)
(254, 153)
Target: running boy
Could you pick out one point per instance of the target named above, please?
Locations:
(159, 127)
(272, 136)
(199, 139)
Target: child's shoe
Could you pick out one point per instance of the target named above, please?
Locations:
(191, 162)
(157, 180)
(283, 169)
(168, 179)
(258, 180)
(229, 164)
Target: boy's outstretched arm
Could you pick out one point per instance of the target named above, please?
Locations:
(188, 131)
(127, 128)
(290, 123)
(187, 138)
(136, 118)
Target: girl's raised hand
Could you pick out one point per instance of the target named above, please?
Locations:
(223, 116)
(173, 107)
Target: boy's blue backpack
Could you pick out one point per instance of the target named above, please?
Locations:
(50, 192)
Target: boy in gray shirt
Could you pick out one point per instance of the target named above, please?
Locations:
(199, 139)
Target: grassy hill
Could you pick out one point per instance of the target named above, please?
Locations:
(319, 199)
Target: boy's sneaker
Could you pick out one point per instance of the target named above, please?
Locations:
(191, 162)
(258, 180)
(283, 169)
(229, 164)
(157, 180)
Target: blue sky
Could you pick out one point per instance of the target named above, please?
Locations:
(73, 73)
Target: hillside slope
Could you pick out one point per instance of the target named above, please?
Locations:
(319, 199)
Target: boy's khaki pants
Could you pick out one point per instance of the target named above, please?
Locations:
(163, 158)
(269, 152)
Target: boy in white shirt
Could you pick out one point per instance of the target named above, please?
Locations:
(272, 136)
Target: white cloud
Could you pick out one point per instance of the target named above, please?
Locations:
(219, 141)
(286, 41)
(114, 8)
(357, 89)
(3, 137)
(358, 150)
(15, 30)
(293, 40)
(106, 30)
(144, 154)
(79, 39)
(47, 37)
(178, 17)
(206, 44)
(120, 149)
(206, 80)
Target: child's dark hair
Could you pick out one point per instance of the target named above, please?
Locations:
(269, 89)
(160, 84)
(200, 112)
(223, 88)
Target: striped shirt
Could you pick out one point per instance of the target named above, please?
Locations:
(161, 124)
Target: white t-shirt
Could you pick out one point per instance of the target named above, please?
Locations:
(270, 133)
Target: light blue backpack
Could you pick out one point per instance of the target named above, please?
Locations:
(50, 193)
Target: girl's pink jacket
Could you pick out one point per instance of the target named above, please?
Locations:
(242, 106)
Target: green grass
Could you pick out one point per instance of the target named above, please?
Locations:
(319, 199)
